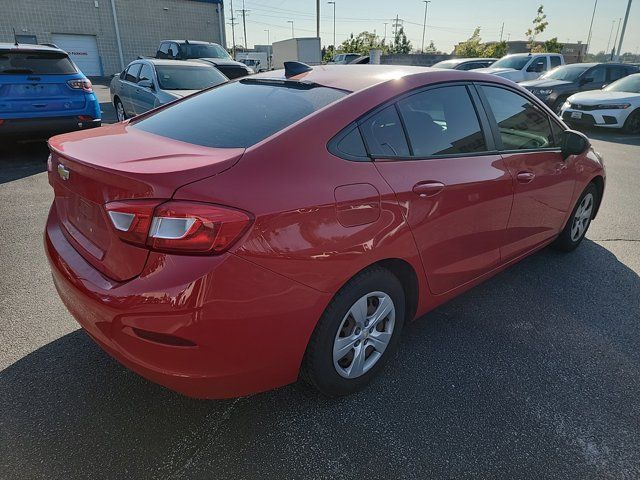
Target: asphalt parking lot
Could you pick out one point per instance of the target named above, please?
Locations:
(534, 374)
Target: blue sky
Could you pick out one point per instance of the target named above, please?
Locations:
(449, 21)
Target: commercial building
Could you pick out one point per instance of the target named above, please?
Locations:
(102, 36)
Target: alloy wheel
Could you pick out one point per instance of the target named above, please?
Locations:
(364, 334)
(120, 112)
(582, 217)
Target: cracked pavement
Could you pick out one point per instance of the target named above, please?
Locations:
(534, 374)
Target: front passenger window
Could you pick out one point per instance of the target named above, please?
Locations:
(384, 134)
(539, 65)
(521, 124)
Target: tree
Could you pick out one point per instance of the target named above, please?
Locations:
(431, 48)
(495, 50)
(400, 42)
(327, 53)
(539, 26)
(553, 46)
(362, 43)
(471, 48)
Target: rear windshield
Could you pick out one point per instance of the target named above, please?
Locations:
(39, 63)
(199, 50)
(176, 77)
(238, 114)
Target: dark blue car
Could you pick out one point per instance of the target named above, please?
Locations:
(43, 93)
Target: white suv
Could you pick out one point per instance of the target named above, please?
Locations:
(520, 67)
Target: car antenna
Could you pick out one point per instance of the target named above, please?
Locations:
(295, 68)
(15, 37)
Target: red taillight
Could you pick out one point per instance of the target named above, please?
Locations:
(85, 118)
(178, 227)
(82, 84)
(132, 219)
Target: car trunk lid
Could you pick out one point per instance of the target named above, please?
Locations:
(116, 163)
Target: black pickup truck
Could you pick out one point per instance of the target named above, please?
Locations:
(211, 53)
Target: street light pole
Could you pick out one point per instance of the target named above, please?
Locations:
(334, 25)
(624, 28)
(268, 50)
(424, 25)
(318, 18)
(292, 34)
(591, 28)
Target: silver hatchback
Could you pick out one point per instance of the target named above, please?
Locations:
(149, 83)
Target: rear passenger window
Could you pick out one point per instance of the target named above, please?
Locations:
(521, 124)
(616, 73)
(132, 73)
(555, 62)
(352, 144)
(384, 134)
(442, 122)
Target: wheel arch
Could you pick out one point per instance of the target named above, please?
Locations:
(598, 181)
(408, 277)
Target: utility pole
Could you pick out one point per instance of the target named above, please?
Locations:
(396, 24)
(334, 25)
(292, 34)
(268, 50)
(613, 50)
(501, 32)
(233, 31)
(613, 24)
(591, 28)
(624, 28)
(424, 24)
(318, 18)
(385, 31)
(244, 25)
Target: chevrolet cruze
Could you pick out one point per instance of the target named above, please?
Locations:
(221, 253)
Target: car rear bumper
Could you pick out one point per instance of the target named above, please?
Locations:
(244, 329)
(44, 127)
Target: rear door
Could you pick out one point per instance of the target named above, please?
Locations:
(529, 142)
(34, 84)
(453, 185)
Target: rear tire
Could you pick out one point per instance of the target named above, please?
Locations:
(578, 224)
(357, 333)
(120, 112)
(632, 125)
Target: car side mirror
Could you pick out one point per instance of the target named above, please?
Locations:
(573, 143)
(584, 81)
(146, 83)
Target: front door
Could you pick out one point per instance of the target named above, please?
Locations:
(144, 98)
(543, 181)
(456, 192)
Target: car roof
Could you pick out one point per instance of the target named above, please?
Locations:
(195, 42)
(29, 47)
(358, 77)
(184, 63)
(465, 60)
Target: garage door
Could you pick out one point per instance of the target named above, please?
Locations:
(82, 49)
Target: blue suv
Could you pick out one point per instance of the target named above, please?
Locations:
(43, 93)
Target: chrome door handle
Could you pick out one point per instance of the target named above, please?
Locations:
(428, 189)
(525, 177)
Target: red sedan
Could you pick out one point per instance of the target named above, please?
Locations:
(287, 225)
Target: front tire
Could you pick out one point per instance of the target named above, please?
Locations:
(632, 125)
(120, 113)
(578, 224)
(356, 334)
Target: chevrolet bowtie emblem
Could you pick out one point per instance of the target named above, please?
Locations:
(63, 172)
